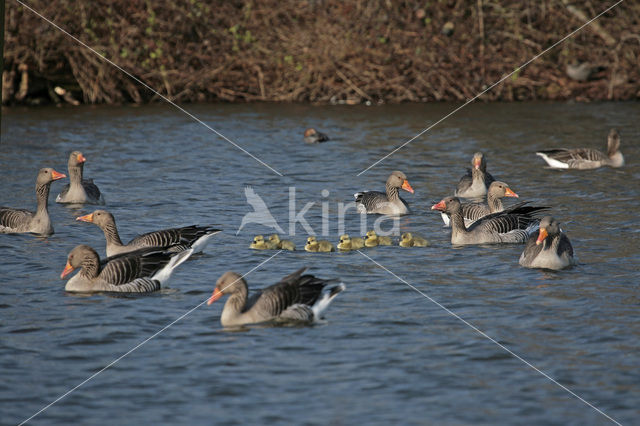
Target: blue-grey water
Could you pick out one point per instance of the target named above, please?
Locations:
(385, 354)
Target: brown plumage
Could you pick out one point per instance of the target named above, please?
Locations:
(135, 272)
(38, 222)
(175, 239)
(79, 190)
(388, 202)
(296, 297)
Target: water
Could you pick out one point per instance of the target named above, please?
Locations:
(386, 354)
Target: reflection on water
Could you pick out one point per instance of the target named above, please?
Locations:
(385, 353)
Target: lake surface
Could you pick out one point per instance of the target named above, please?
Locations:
(385, 354)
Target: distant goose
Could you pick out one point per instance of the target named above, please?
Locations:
(297, 297)
(387, 203)
(135, 272)
(502, 227)
(550, 249)
(374, 240)
(583, 71)
(585, 158)
(474, 211)
(21, 220)
(174, 239)
(347, 243)
(313, 136)
(313, 245)
(475, 183)
(410, 240)
(79, 190)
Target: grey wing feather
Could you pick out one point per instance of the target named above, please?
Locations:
(91, 189)
(578, 154)
(14, 218)
(139, 285)
(177, 239)
(371, 200)
(474, 211)
(531, 251)
(465, 182)
(297, 312)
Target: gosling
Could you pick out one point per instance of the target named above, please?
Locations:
(347, 243)
(281, 244)
(313, 245)
(260, 244)
(409, 240)
(373, 240)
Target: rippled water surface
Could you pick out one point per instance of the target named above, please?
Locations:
(386, 353)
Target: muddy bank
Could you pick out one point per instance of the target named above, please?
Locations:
(319, 51)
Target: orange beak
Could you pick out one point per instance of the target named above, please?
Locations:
(541, 236)
(440, 206)
(56, 175)
(81, 158)
(67, 270)
(476, 163)
(217, 294)
(509, 193)
(86, 218)
(406, 186)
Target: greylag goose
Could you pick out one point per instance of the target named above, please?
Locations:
(585, 158)
(79, 190)
(373, 240)
(387, 203)
(474, 211)
(282, 244)
(313, 136)
(259, 243)
(139, 271)
(21, 220)
(173, 239)
(313, 245)
(502, 227)
(475, 183)
(347, 243)
(297, 297)
(410, 240)
(550, 249)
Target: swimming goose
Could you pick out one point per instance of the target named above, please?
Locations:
(373, 240)
(259, 243)
(173, 239)
(281, 244)
(79, 190)
(475, 183)
(139, 271)
(313, 136)
(550, 249)
(502, 227)
(389, 203)
(21, 220)
(296, 297)
(410, 240)
(347, 243)
(585, 158)
(313, 245)
(474, 211)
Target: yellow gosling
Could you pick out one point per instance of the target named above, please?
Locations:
(258, 243)
(281, 244)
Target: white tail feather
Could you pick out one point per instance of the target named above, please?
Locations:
(164, 274)
(553, 162)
